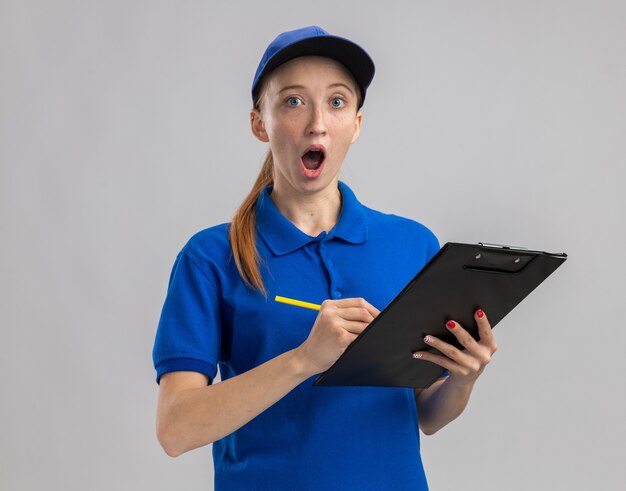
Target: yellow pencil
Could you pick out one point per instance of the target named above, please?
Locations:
(297, 303)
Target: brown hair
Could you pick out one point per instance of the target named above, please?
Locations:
(242, 233)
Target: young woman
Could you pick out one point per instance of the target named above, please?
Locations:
(301, 233)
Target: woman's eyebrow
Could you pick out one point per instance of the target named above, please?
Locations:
(302, 87)
(291, 87)
(339, 84)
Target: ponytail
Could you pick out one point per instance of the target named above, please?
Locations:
(242, 233)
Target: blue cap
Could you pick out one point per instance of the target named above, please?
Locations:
(315, 41)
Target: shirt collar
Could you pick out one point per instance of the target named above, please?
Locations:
(283, 237)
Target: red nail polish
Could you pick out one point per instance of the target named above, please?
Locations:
(480, 313)
(450, 324)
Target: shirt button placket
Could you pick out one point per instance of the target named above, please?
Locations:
(335, 291)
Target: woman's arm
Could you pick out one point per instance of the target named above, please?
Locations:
(191, 414)
(446, 399)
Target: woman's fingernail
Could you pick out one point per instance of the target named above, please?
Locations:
(428, 339)
(480, 313)
(450, 324)
(417, 355)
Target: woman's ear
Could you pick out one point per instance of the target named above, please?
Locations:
(357, 126)
(258, 126)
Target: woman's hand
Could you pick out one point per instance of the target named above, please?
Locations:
(338, 323)
(464, 366)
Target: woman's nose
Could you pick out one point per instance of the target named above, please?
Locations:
(317, 123)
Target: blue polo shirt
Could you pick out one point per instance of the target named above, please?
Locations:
(315, 438)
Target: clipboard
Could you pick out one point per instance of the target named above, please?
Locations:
(457, 280)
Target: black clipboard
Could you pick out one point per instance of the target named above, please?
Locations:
(458, 279)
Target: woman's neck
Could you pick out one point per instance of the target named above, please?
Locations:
(311, 213)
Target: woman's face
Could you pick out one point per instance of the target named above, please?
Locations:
(308, 115)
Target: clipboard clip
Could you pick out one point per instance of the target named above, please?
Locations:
(499, 258)
(502, 246)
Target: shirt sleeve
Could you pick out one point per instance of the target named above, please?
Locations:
(433, 246)
(189, 332)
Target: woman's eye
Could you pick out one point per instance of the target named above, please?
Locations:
(337, 102)
(293, 101)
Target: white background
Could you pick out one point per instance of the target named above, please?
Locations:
(124, 130)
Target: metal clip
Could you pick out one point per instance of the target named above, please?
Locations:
(502, 246)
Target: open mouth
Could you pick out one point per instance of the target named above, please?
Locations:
(313, 159)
